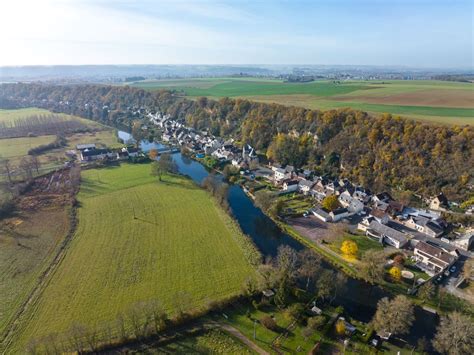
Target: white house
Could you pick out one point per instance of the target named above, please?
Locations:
(386, 234)
(290, 186)
(425, 225)
(305, 186)
(281, 174)
(339, 214)
(464, 241)
(433, 260)
(321, 214)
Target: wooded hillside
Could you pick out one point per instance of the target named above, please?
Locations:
(379, 153)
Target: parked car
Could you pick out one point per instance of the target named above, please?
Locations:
(446, 273)
(453, 269)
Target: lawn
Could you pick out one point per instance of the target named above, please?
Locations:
(363, 244)
(426, 100)
(138, 240)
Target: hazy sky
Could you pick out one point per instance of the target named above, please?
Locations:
(421, 33)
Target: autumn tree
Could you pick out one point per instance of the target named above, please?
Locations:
(309, 267)
(349, 248)
(153, 154)
(164, 165)
(6, 168)
(395, 273)
(426, 291)
(264, 200)
(395, 316)
(330, 202)
(372, 266)
(455, 335)
(340, 327)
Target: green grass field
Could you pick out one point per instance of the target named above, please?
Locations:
(27, 245)
(427, 100)
(9, 116)
(17, 148)
(180, 241)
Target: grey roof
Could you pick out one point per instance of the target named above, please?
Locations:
(85, 146)
(434, 252)
(321, 212)
(339, 211)
(387, 231)
(307, 183)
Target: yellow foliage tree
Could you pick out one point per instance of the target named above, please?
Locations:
(349, 248)
(330, 202)
(395, 273)
(340, 327)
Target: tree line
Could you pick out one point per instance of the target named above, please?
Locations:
(377, 152)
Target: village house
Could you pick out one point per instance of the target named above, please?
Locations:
(353, 205)
(439, 203)
(338, 214)
(433, 260)
(464, 241)
(425, 225)
(305, 186)
(290, 185)
(379, 215)
(321, 214)
(96, 154)
(281, 174)
(386, 234)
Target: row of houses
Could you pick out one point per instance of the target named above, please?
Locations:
(202, 142)
(89, 152)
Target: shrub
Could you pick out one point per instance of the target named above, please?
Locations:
(269, 323)
(349, 248)
(340, 327)
(395, 273)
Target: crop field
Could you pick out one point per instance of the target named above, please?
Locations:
(139, 240)
(427, 100)
(14, 148)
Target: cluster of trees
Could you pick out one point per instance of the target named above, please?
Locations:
(454, 335)
(27, 167)
(59, 142)
(140, 320)
(38, 125)
(380, 153)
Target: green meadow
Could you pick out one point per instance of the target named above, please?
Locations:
(426, 100)
(139, 240)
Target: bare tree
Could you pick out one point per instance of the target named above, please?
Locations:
(394, 316)
(182, 304)
(35, 163)
(27, 168)
(138, 319)
(77, 334)
(310, 266)
(5, 164)
(92, 338)
(157, 315)
(455, 335)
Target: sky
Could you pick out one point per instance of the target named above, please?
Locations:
(412, 33)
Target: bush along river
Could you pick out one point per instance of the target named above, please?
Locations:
(359, 298)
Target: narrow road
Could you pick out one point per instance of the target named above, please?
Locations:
(236, 333)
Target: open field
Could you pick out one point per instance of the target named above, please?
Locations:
(27, 245)
(10, 116)
(17, 148)
(139, 240)
(13, 148)
(427, 100)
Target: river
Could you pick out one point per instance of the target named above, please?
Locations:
(359, 299)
